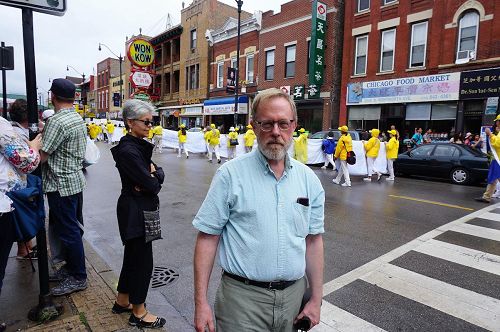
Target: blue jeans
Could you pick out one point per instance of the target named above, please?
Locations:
(6, 241)
(64, 212)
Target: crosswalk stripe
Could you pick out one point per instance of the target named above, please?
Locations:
(487, 233)
(334, 318)
(490, 216)
(461, 255)
(481, 310)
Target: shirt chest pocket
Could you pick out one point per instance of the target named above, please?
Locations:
(301, 219)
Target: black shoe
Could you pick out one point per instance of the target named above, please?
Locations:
(118, 309)
(482, 200)
(218, 161)
(135, 321)
(59, 275)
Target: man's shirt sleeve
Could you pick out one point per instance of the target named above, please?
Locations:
(52, 137)
(214, 212)
(317, 221)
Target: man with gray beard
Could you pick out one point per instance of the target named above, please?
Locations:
(265, 212)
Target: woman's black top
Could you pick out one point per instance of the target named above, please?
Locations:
(140, 187)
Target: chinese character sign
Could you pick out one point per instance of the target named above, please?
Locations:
(479, 84)
(317, 51)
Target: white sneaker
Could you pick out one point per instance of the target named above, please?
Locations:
(379, 176)
(178, 156)
(389, 179)
(345, 185)
(335, 181)
(323, 167)
(496, 195)
(367, 179)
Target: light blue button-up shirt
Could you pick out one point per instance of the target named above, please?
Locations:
(262, 226)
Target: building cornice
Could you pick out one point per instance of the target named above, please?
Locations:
(230, 28)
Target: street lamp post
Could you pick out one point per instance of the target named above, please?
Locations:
(239, 3)
(120, 58)
(82, 75)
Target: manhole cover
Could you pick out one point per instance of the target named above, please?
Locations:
(163, 276)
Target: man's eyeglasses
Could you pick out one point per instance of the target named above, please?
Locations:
(146, 122)
(268, 125)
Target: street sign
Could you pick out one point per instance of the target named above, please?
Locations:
(141, 52)
(51, 7)
(317, 51)
(7, 58)
(141, 79)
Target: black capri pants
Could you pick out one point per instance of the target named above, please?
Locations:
(136, 270)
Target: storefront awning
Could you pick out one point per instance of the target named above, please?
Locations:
(225, 106)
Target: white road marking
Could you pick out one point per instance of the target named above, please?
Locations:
(461, 255)
(335, 319)
(478, 309)
(490, 216)
(486, 233)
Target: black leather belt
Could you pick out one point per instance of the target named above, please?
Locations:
(275, 285)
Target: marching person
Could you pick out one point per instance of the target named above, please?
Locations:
(265, 213)
(206, 134)
(344, 145)
(141, 182)
(301, 146)
(62, 154)
(249, 138)
(391, 148)
(232, 142)
(328, 147)
(213, 137)
(372, 148)
(182, 135)
(158, 138)
(494, 170)
(110, 129)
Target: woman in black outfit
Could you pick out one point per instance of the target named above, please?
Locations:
(141, 182)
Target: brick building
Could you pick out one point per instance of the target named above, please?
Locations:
(106, 69)
(408, 63)
(219, 109)
(284, 57)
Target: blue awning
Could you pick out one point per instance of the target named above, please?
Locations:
(224, 101)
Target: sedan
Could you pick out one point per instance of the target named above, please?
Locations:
(459, 163)
(336, 134)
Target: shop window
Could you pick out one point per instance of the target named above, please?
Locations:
(270, 65)
(444, 111)
(249, 69)
(418, 44)
(290, 61)
(220, 74)
(467, 36)
(363, 5)
(364, 117)
(419, 111)
(361, 55)
(387, 50)
(193, 39)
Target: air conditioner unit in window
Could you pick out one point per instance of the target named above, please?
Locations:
(465, 56)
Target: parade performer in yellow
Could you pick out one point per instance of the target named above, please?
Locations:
(344, 145)
(213, 138)
(301, 146)
(249, 138)
(94, 130)
(182, 135)
(206, 133)
(391, 151)
(158, 138)
(151, 134)
(372, 147)
(110, 129)
(232, 142)
(493, 143)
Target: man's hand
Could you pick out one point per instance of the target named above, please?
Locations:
(312, 310)
(153, 168)
(203, 317)
(487, 131)
(36, 143)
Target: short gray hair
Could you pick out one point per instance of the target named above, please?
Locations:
(271, 94)
(135, 109)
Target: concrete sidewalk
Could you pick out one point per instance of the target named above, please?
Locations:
(89, 310)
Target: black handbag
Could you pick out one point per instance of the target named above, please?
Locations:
(351, 156)
(152, 226)
(233, 141)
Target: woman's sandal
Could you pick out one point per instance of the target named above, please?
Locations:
(118, 309)
(139, 322)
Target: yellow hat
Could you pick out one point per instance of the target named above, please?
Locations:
(392, 132)
(212, 125)
(344, 129)
(183, 125)
(302, 130)
(249, 126)
(497, 118)
(237, 128)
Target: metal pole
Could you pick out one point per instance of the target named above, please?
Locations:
(121, 80)
(4, 87)
(240, 3)
(45, 305)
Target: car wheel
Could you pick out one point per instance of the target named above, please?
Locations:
(460, 175)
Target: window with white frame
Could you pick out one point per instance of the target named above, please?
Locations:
(233, 62)
(107, 97)
(361, 55)
(270, 65)
(468, 33)
(220, 74)
(249, 77)
(363, 5)
(193, 38)
(387, 50)
(290, 60)
(418, 44)
(387, 2)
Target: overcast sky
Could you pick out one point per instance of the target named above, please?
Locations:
(73, 39)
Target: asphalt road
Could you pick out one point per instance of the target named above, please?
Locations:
(362, 223)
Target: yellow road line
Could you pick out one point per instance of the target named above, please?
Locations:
(432, 202)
